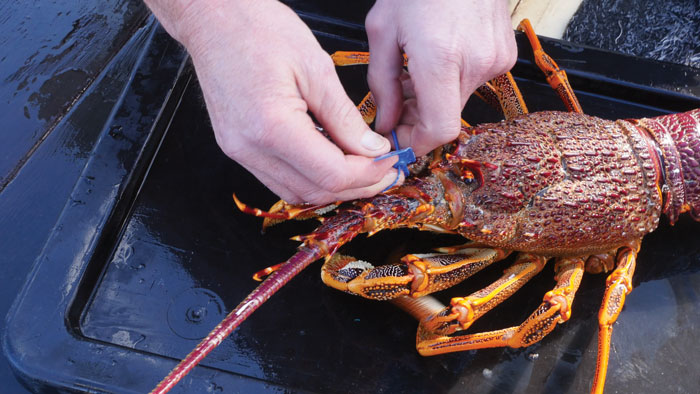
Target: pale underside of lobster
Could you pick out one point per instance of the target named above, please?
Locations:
(562, 186)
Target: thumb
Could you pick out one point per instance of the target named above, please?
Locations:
(327, 100)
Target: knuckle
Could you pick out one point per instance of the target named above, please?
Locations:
(322, 66)
(487, 63)
(265, 130)
(376, 177)
(231, 150)
(448, 133)
(511, 55)
(333, 183)
(345, 113)
(496, 61)
(336, 108)
(505, 57)
(444, 64)
(374, 22)
(229, 143)
(443, 132)
(448, 54)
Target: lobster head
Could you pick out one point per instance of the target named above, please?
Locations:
(555, 183)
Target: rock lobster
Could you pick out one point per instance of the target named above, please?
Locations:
(565, 186)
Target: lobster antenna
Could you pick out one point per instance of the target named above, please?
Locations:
(253, 301)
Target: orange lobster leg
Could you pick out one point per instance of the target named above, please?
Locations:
(555, 308)
(618, 285)
(350, 58)
(464, 311)
(367, 108)
(282, 211)
(416, 275)
(355, 58)
(555, 77)
(503, 95)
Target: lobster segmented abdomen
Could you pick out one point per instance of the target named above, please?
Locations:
(678, 137)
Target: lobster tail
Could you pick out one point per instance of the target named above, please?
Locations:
(678, 139)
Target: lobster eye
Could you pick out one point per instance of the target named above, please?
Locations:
(467, 176)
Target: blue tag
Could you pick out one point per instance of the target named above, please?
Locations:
(406, 157)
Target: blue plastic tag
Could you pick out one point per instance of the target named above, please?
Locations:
(406, 157)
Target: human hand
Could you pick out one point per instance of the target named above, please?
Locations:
(452, 47)
(261, 70)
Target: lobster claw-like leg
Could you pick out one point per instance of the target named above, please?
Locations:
(556, 77)
(618, 285)
(554, 309)
(282, 211)
(416, 275)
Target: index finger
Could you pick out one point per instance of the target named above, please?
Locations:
(436, 82)
(321, 161)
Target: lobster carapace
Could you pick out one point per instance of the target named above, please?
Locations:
(561, 186)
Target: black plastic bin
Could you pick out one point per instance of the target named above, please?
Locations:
(150, 253)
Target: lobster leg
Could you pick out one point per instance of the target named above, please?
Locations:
(556, 77)
(554, 309)
(618, 285)
(416, 275)
(282, 211)
(350, 58)
(368, 108)
(464, 311)
(503, 95)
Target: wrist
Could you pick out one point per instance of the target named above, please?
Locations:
(189, 21)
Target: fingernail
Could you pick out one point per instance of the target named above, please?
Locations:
(393, 176)
(372, 140)
(390, 176)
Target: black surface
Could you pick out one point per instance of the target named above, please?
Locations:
(53, 53)
(149, 253)
(143, 74)
(145, 257)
